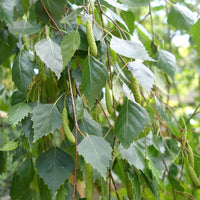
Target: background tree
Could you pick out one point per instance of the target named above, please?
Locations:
(102, 99)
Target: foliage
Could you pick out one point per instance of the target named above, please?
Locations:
(88, 58)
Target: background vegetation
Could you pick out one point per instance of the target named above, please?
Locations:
(114, 118)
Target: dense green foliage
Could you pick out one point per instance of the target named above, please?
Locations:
(101, 93)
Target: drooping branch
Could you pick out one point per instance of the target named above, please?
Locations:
(76, 141)
(74, 111)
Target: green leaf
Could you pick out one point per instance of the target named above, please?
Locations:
(131, 120)
(181, 17)
(24, 28)
(117, 89)
(134, 156)
(129, 19)
(79, 108)
(50, 53)
(46, 119)
(25, 5)
(54, 167)
(143, 74)
(129, 48)
(195, 30)
(94, 78)
(61, 193)
(26, 166)
(88, 125)
(43, 189)
(30, 194)
(69, 45)
(150, 182)
(22, 71)
(97, 152)
(135, 3)
(145, 37)
(6, 10)
(7, 44)
(18, 112)
(9, 146)
(172, 175)
(18, 11)
(98, 33)
(155, 162)
(167, 62)
(69, 189)
(56, 9)
(22, 179)
(133, 176)
(157, 173)
(160, 81)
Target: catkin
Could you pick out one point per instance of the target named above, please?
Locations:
(90, 38)
(129, 188)
(193, 176)
(190, 156)
(89, 181)
(135, 89)
(26, 41)
(109, 99)
(66, 129)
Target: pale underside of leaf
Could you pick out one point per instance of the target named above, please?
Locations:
(50, 53)
(143, 74)
(133, 156)
(97, 152)
(129, 48)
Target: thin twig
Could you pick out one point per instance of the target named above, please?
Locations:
(122, 31)
(76, 141)
(193, 114)
(111, 186)
(172, 113)
(163, 160)
(123, 60)
(114, 185)
(178, 139)
(164, 174)
(107, 133)
(78, 63)
(145, 17)
(51, 19)
(183, 194)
